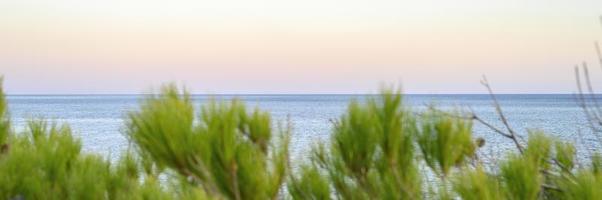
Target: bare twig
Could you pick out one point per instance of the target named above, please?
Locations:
(511, 134)
(234, 180)
(598, 53)
(591, 92)
(472, 116)
(592, 119)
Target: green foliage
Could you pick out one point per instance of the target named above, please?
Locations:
(565, 156)
(585, 185)
(229, 152)
(521, 178)
(162, 129)
(371, 155)
(521, 174)
(445, 142)
(539, 149)
(310, 185)
(477, 185)
(45, 162)
(226, 151)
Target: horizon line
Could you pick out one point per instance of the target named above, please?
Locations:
(280, 94)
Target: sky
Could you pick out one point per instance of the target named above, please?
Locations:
(288, 47)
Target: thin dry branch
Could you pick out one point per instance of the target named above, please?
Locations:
(511, 133)
(592, 94)
(592, 117)
(473, 116)
(598, 53)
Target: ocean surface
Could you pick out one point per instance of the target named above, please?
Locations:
(99, 119)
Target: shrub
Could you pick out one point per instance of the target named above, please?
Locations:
(229, 152)
(371, 155)
(46, 162)
(379, 149)
(584, 185)
(477, 185)
(445, 142)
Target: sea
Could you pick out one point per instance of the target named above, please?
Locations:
(98, 120)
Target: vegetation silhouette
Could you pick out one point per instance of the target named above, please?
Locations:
(379, 149)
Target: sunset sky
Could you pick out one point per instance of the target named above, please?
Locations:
(306, 46)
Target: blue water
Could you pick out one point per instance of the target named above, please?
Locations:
(99, 120)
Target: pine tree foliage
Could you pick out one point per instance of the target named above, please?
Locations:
(477, 185)
(371, 155)
(228, 151)
(379, 149)
(445, 142)
(46, 162)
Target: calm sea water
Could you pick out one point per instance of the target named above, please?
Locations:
(99, 120)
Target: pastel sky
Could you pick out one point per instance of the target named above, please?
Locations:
(302, 46)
